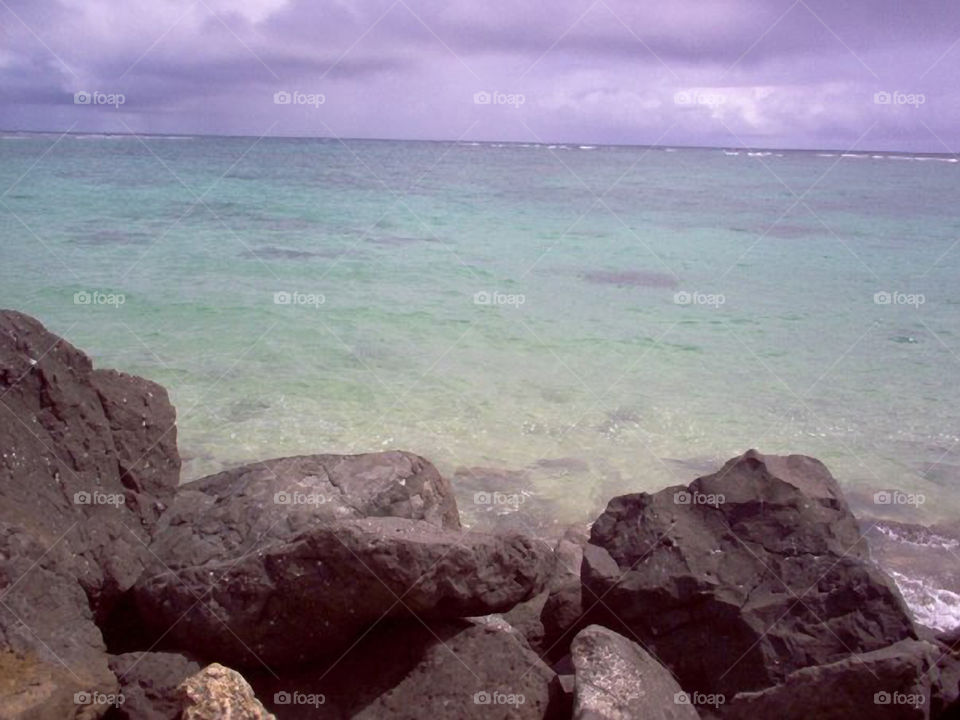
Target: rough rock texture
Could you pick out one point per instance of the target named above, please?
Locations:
(306, 587)
(744, 576)
(219, 693)
(87, 459)
(394, 483)
(562, 613)
(149, 683)
(50, 646)
(480, 668)
(893, 682)
(617, 680)
(73, 441)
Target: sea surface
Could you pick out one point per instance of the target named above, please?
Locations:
(551, 325)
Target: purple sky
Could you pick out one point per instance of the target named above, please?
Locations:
(754, 73)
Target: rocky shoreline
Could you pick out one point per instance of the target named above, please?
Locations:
(328, 586)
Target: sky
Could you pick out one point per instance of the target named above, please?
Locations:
(847, 74)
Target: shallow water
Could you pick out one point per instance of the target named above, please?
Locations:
(556, 324)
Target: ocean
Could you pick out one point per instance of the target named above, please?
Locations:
(551, 325)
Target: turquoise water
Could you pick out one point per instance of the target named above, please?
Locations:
(584, 378)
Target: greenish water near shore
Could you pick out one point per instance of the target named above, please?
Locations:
(568, 322)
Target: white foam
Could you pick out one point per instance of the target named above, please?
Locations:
(934, 607)
(925, 539)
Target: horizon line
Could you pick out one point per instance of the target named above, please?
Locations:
(577, 144)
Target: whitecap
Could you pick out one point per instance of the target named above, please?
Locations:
(935, 607)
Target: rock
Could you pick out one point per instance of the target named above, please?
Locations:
(744, 576)
(893, 682)
(52, 652)
(149, 684)
(478, 668)
(143, 424)
(617, 680)
(563, 611)
(219, 693)
(525, 619)
(86, 457)
(383, 484)
(306, 588)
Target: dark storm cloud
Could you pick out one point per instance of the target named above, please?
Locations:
(808, 73)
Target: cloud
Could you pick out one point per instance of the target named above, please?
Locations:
(793, 73)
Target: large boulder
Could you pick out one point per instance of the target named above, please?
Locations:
(616, 679)
(473, 668)
(743, 576)
(290, 560)
(892, 683)
(89, 457)
(88, 460)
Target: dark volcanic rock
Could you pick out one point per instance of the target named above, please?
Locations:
(87, 455)
(894, 682)
(563, 609)
(274, 497)
(481, 668)
(149, 682)
(744, 576)
(50, 649)
(305, 586)
(87, 458)
(616, 678)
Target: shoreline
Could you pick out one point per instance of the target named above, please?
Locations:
(283, 569)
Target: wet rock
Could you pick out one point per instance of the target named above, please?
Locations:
(744, 576)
